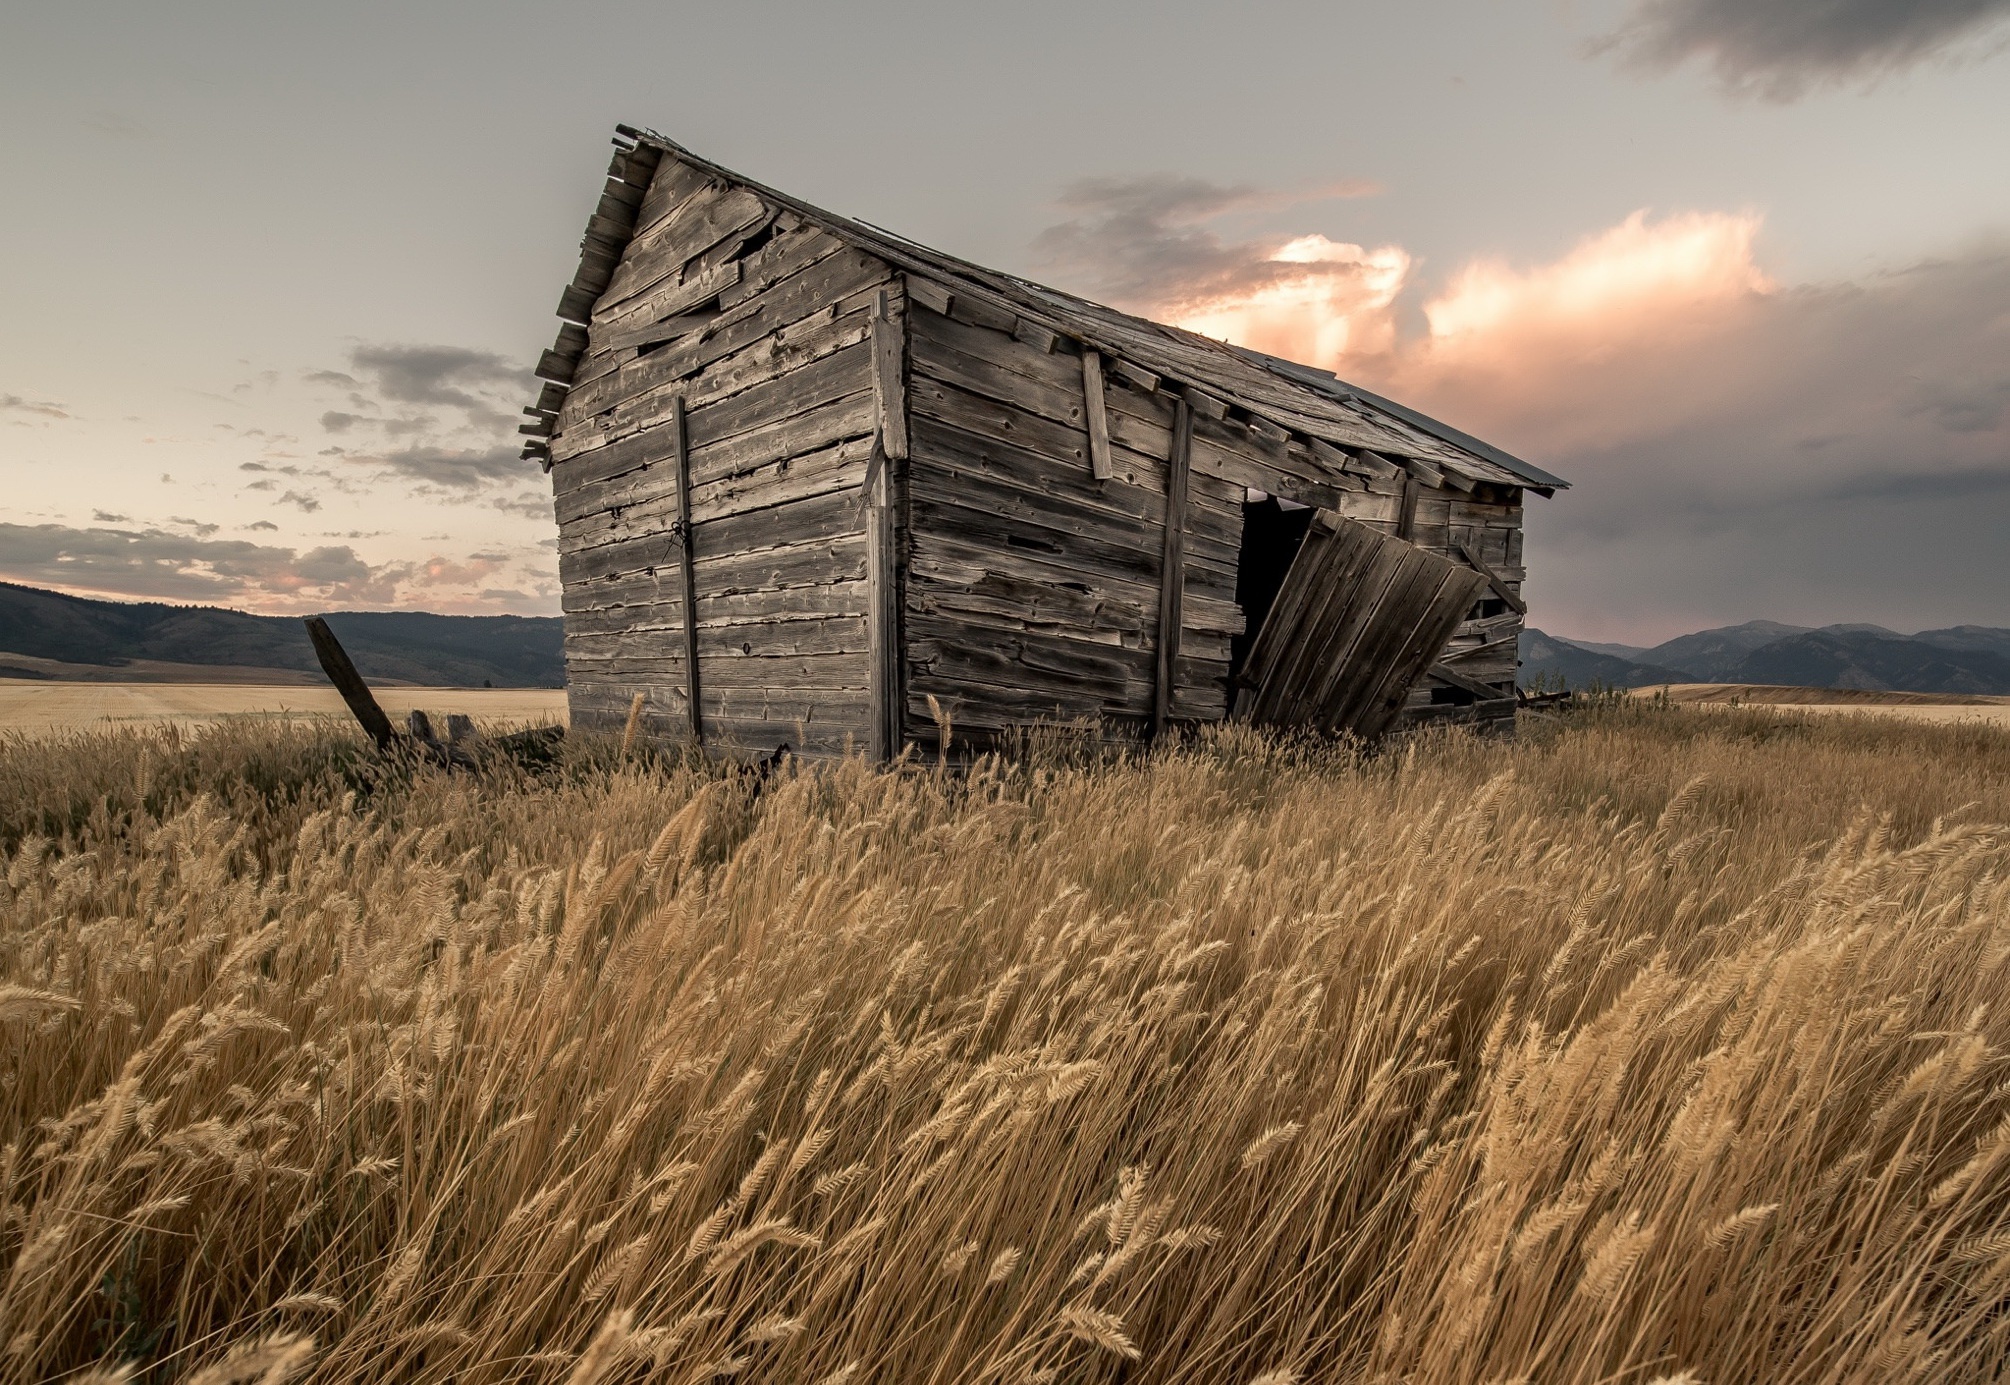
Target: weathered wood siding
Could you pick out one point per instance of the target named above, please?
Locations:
(761, 323)
(1485, 519)
(1032, 588)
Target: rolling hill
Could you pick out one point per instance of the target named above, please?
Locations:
(51, 634)
(1959, 659)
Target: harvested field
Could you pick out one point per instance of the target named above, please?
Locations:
(1908, 706)
(1661, 1046)
(51, 706)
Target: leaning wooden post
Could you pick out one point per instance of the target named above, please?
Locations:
(682, 439)
(335, 663)
(1172, 567)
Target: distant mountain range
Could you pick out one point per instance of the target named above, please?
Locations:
(48, 635)
(1960, 659)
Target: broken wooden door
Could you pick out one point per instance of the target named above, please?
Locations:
(1359, 619)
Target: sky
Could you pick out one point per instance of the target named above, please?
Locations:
(272, 275)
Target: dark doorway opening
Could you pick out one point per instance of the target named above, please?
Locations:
(1271, 538)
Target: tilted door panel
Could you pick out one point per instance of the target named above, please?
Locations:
(1360, 617)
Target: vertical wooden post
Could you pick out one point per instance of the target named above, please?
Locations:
(1406, 518)
(681, 437)
(884, 476)
(1172, 567)
(1098, 416)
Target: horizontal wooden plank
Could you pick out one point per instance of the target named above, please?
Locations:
(1115, 502)
(763, 638)
(754, 389)
(831, 469)
(666, 611)
(803, 522)
(1096, 601)
(728, 574)
(657, 254)
(1011, 696)
(831, 290)
(780, 676)
(932, 514)
(744, 721)
(593, 481)
(779, 353)
(792, 435)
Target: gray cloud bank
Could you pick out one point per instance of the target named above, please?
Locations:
(1778, 49)
(443, 417)
(186, 567)
(1836, 452)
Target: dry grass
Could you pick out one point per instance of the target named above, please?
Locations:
(1664, 1046)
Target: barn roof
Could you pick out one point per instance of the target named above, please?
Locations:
(1295, 398)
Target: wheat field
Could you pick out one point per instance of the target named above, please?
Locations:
(1659, 1046)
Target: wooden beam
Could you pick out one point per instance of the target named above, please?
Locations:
(889, 382)
(1098, 415)
(1459, 680)
(335, 663)
(885, 480)
(1136, 374)
(1424, 471)
(1406, 518)
(1172, 567)
(1201, 402)
(930, 295)
(1494, 579)
(1036, 335)
(681, 439)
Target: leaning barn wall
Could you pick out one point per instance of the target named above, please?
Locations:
(761, 324)
(1033, 588)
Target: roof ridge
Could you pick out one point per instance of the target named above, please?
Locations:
(1162, 348)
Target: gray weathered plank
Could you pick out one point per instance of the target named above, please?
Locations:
(1172, 568)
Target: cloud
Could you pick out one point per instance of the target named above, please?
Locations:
(40, 408)
(186, 567)
(439, 416)
(102, 517)
(1779, 49)
(481, 384)
(306, 501)
(1740, 448)
(440, 572)
(1833, 451)
(1147, 238)
(456, 469)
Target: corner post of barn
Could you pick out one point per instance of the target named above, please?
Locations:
(681, 441)
(1172, 567)
(886, 489)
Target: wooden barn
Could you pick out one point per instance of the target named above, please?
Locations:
(809, 475)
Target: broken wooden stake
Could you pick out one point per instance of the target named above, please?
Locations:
(335, 663)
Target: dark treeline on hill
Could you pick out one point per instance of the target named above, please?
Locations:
(393, 646)
(1959, 659)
